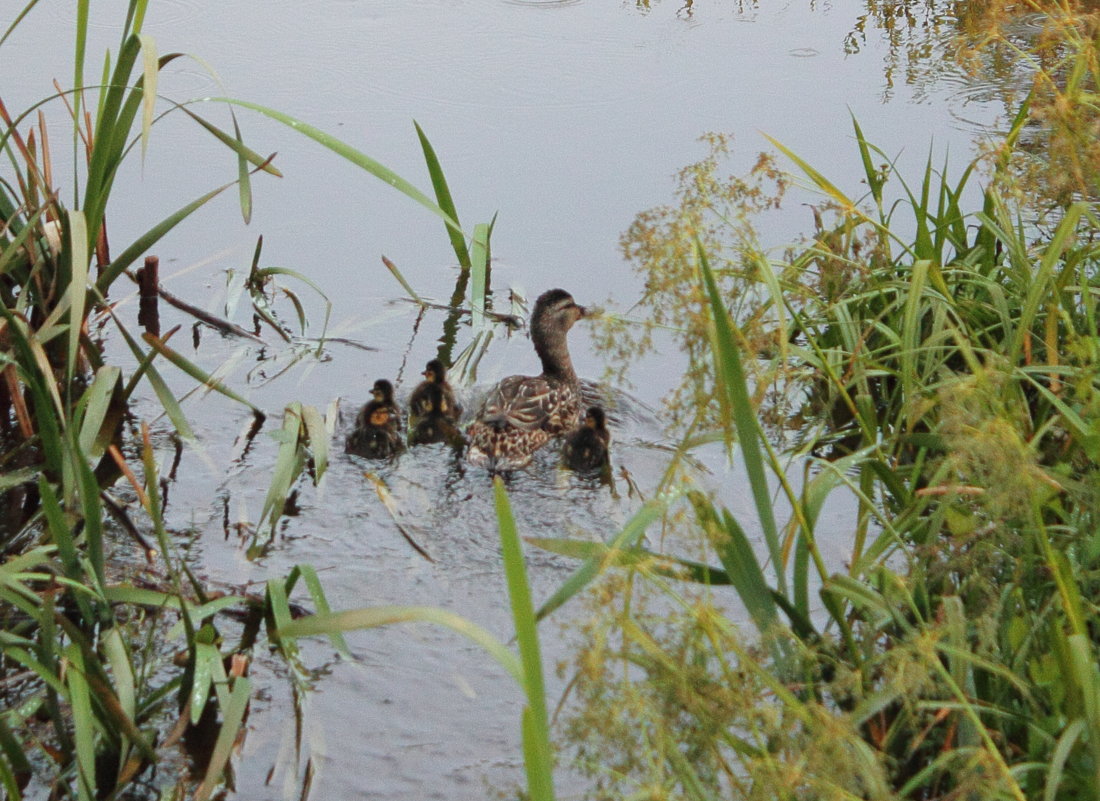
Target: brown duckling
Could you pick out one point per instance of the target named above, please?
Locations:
(587, 448)
(523, 413)
(435, 375)
(377, 432)
(435, 422)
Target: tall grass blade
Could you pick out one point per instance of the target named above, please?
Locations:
(444, 199)
(150, 71)
(346, 151)
(196, 372)
(355, 619)
(320, 602)
(479, 276)
(536, 726)
(80, 704)
(77, 288)
(317, 436)
(739, 560)
(19, 18)
(625, 540)
(143, 243)
(232, 721)
(288, 466)
(734, 396)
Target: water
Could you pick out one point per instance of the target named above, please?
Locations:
(567, 118)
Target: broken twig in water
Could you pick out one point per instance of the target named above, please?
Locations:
(391, 507)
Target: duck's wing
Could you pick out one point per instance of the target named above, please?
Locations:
(519, 401)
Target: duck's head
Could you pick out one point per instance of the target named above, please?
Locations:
(382, 391)
(555, 310)
(435, 372)
(594, 418)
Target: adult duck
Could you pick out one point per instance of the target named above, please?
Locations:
(522, 413)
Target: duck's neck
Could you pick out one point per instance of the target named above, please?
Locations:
(554, 354)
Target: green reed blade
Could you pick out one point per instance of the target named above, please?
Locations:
(26, 10)
(1056, 771)
(736, 554)
(538, 754)
(244, 176)
(396, 273)
(639, 558)
(874, 178)
(145, 368)
(14, 762)
(92, 411)
(479, 273)
(150, 71)
(77, 291)
(371, 617)
(318, 439)
(83, 722)
(1040, 284)
(822, 183)
(733, 394)
(146, 241)
(12, 250)
(443, 198)
(232, 721)
(61, 536)
(625, 540)
(14, 478)
(288, 466)
(320, 602)
(196, 372)
(346, 151)
(235, 142)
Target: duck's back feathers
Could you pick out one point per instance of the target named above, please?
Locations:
(520, 415)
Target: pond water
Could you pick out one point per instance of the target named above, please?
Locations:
(565, 117)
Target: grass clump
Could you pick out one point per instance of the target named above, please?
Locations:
(929, 353)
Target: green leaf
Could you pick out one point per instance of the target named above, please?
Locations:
(196, 372)
(479, 276)
(538, 754)
(232, 721)
(443, 198)
(734, 396)
(624, 540)
(355, 619)
(351, 154)
(77, 289)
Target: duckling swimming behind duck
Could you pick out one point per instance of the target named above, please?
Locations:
(434, 423)
(377, 432)
(435, 375)
(586, 448)
(522, 413)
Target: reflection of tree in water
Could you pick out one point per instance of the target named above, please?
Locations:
(1002, 52)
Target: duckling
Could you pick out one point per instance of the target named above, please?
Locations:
(377, 433)
(435, 374)
(435, 419)
(586, 449)
(523, 413)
